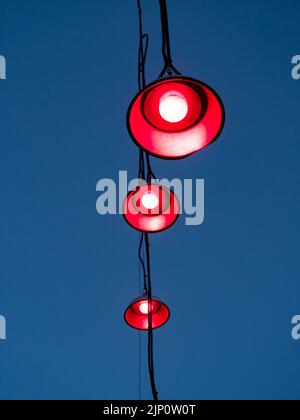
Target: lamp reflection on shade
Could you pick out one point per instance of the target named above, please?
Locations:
(137, 313)
(175, 117)
(151, 208)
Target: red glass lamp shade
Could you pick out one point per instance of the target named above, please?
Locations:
(151, 208)
(175, 117)
(137, 313)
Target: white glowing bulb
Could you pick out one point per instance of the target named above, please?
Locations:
(173, 107)
(144, 308)
(150, 201)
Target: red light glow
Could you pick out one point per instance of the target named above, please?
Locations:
(151, 208)
(136, 315)
(175, 117)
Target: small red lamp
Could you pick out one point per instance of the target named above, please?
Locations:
(175, 117)
(137, 313)
(151, 208)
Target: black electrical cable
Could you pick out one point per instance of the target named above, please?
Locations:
(140, 366)
(142, 263)
(144, 239)
(143, 49)
(150, 328)
(150, 174)
(169, 67)
(142, 57)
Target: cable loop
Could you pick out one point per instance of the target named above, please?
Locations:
(144, 239)
(169, 68)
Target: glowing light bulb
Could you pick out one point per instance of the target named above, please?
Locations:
(150, 201)
(144, 308)
(173, 107)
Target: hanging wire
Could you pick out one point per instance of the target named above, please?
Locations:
(142, 264)
(144, 245)
(142, 58)
(143, 49)
(140, 364)
(150, 325)
(140, 367)
(169, 68)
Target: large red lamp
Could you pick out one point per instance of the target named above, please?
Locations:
(151, 208)
(137, 313)
(175, 117)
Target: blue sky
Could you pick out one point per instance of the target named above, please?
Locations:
(67, 274)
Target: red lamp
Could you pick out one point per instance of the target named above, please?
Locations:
(137, 313)
(151, 208)
(175, 117)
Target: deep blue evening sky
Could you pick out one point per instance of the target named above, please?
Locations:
(67, 274)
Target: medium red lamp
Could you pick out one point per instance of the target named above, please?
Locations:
(151, 208)
(137, 313)
(175, 117)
